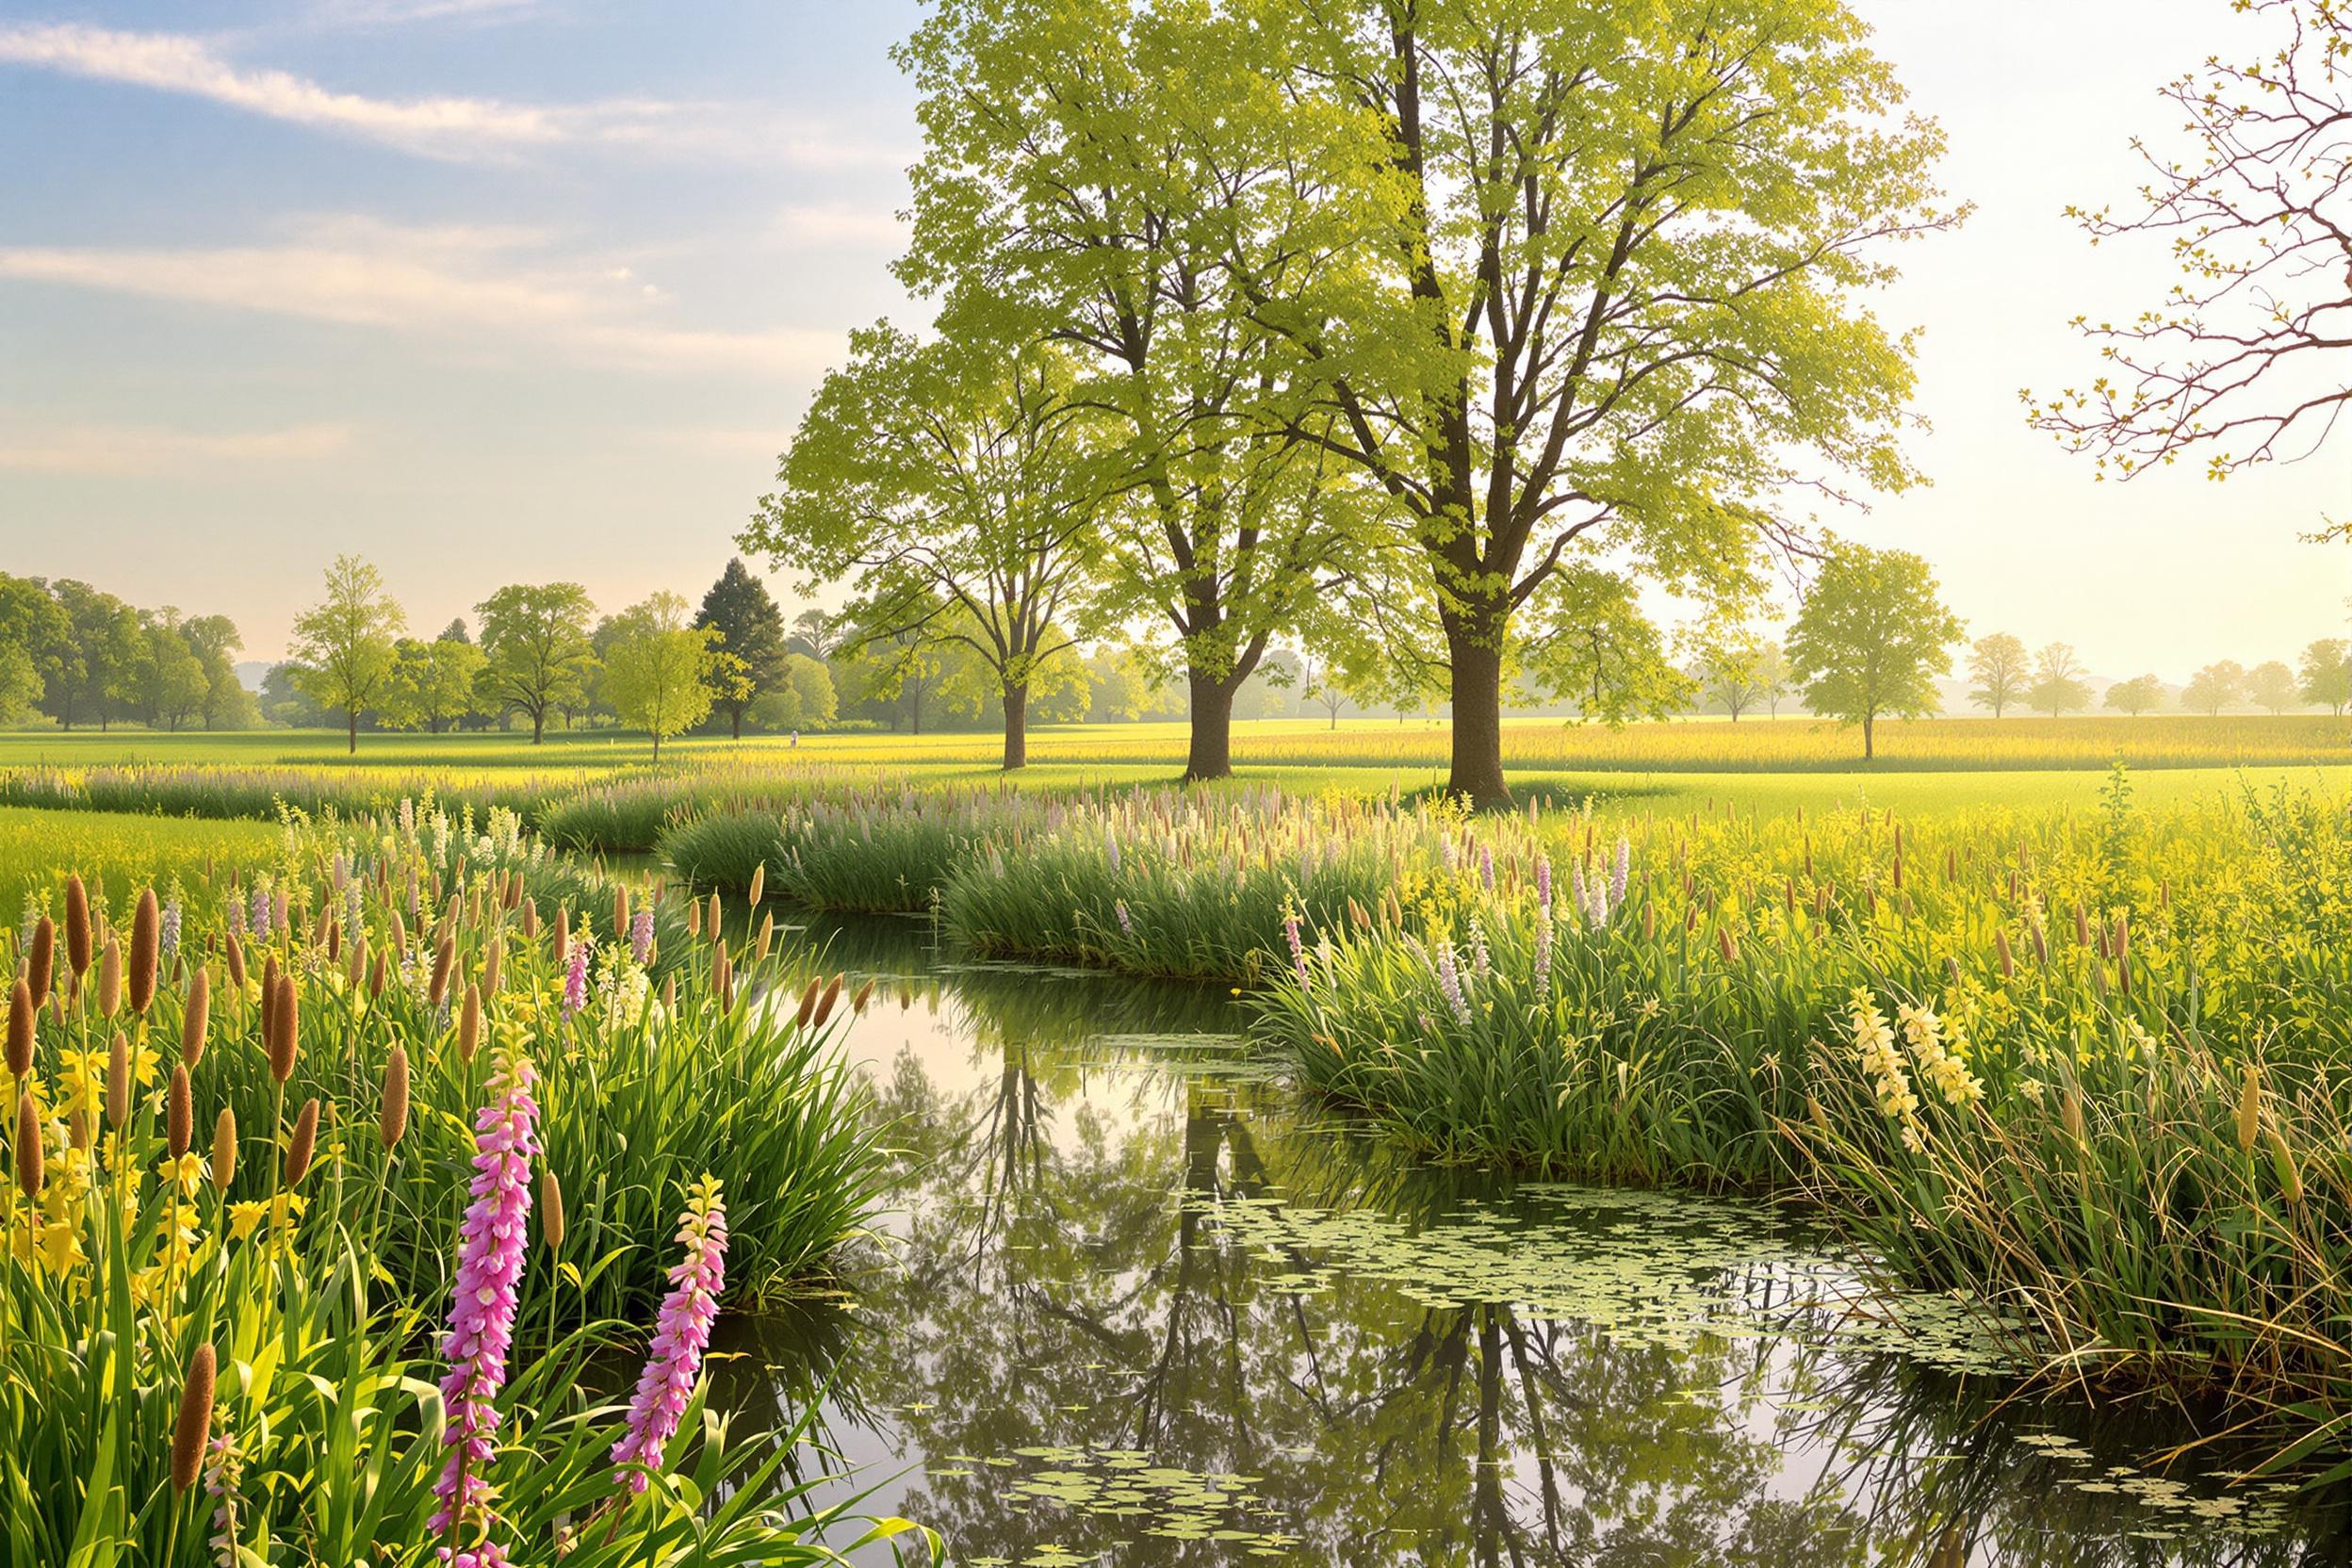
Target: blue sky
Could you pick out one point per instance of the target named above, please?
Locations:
(517, 289)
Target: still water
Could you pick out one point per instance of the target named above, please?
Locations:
(1135, 1304)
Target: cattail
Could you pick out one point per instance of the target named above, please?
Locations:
(2250, 1109)
(392, 1115)
(233, 952)
(2041, 944)
(304, 1143)
(28, 1166)
(1649, 922)
(194, 1430)
(1821, 1116)
(865, 994)
(767, 934)
(119, 1081)
(334, 941)
(1727, 943)
(530, 919)
(285, 1031)
(2070, 1111)
(725, 980)
(2008, 962)
(2082, 927)
(77, 1129)
(444, 958)
(375, 976)
(146, 950)
(1951, 969)
(669, 994)
(41, 959)
(268, 999)
(620, 913)
(77, 926)
(550, 1208)
(355, 964)
(563, 939)
(22, 1010)
(715, 915)
(693, 917)
(223, 1150)
(469, 1024)
(399, 933)
(2290, 1178)
(110, 979)
(179, 1118)
(196, 1018)
(825, 1003)
(808, 1006)
(492, 962)
(758, 883)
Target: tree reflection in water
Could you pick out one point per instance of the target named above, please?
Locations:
(1067, 1351)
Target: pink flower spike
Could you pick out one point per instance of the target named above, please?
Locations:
(680, 1335)
(483, 1304)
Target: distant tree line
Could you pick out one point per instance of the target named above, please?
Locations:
(84, 658)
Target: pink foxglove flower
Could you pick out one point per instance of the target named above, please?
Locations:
(680, 1337)
(482, 1308)
(576, 978)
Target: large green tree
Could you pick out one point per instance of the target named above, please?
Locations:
(657, 676)
(1114, 177)
(343, 645)
(751, 630)
(2325, 671)
(1588, 281)
(956, 488)
(2058, 686)
(536, 656)
(97, 664)
(1872, 639)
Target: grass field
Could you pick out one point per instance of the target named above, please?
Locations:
(39, 849)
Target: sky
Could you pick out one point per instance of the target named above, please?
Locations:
(499, 290)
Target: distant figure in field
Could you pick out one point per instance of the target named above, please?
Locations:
(796, 739)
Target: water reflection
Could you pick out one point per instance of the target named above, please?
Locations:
(1136, 1308)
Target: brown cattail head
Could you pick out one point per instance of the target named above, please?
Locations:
(444, 958)
(550, 1208)
(2070, 1112)
(669, 994)
(491, 963)
(2290, 1176)
(723, 982)
(77, 1128)
(41, 959)
(119, 1081)
(530, 918)
(392, 1115)
(399, 933)
(146, 950)
(22, 1012)
(469, 1024)
(223, 1150)
(561, 945)
(179, 1118)
(825, 1003)
(268, 996)
(693, 917)
(356, 963)
(620, 913)
(758, 883)
(233, 952)
(2250, 1109)
(29, 1174)
(713, 921)
(865, 994)
(304, 1144)
(808, 1006)
(2008, 959)
(1727, 944)
(196, 1018)
(77, 926)
(110, 979)
(334, 941)
(195, 1428)
(375, 977)
(284, 1030)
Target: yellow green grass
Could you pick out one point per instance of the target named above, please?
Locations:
(116, 852)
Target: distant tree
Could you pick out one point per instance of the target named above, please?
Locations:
(956, 486)
(2244, 361)
(1730, 664)
(1589, 639)
(1324, 687)
(433, 684)
(34, 624)
(657, 676)
(803, 697)
(2271, 685)
(2327, 674)
(1127, 687)
(1998, 664)
(1772, 677)
(455, 631)
(815, 634)
(214, 641)
(20, 683)
(2141, 693)
(173, 676)
(2214, 687)
(535, 650)
(97, 663)
(1872, 638)
(2058, 687)
(343, 644)
(283, 700)
(740, 608)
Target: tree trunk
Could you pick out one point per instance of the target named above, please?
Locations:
(657, 745)
(351, 718)
(738, 711)
(1210, 752)
(538, 725)
(1476, 775)
(1869, 740)
(1016, 727)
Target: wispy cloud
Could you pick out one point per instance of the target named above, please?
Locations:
(118, 449)
(438, 126)
(397, 14)
(481, 289)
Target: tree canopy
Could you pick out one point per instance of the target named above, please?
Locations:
(1872, 638)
